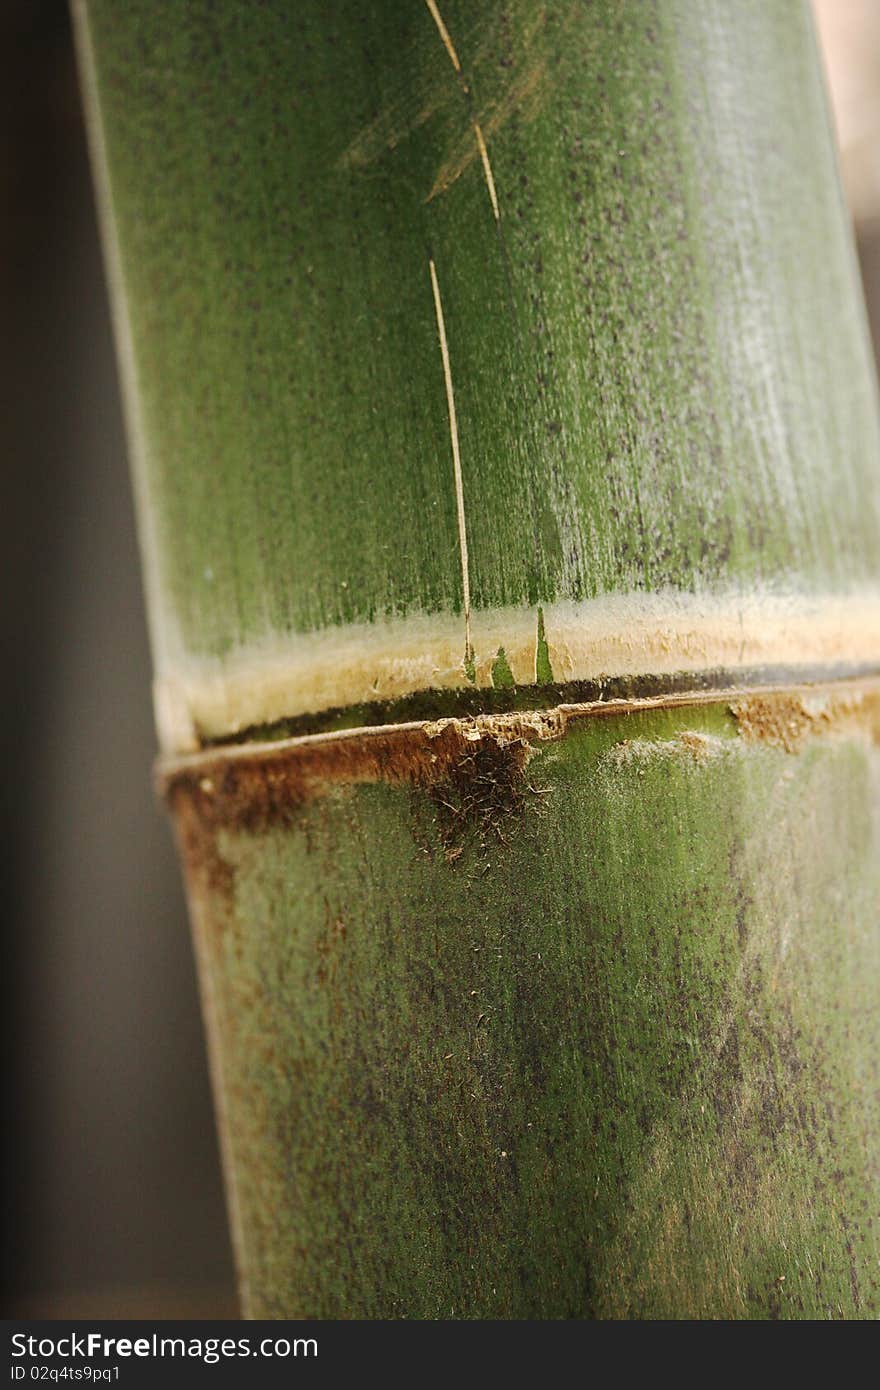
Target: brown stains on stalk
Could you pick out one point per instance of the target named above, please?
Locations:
(485, 790)
(472, 770)
(209, 875)
(788, 720)
(259, 788)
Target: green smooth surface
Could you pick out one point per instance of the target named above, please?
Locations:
(659, 357)
(611, 1053)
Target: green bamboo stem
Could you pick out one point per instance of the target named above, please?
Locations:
(508, 358)
(591, 1033)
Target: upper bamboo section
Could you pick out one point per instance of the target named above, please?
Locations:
(434, 315)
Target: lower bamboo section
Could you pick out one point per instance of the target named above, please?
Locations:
(563, 1015)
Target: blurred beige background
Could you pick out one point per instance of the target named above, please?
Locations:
(112, 1198)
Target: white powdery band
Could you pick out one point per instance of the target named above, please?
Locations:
(665, 634)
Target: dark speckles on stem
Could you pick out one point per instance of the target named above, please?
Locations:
(601, 1091)
(474, 777)
(485, 791)
(742, 898)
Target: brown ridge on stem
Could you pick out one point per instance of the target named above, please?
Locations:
(473, 770)
(265, 786)
(254, 786)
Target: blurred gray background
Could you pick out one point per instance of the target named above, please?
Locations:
(112, 1194)
(112, 1200)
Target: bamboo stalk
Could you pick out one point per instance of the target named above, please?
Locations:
(499, 377)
